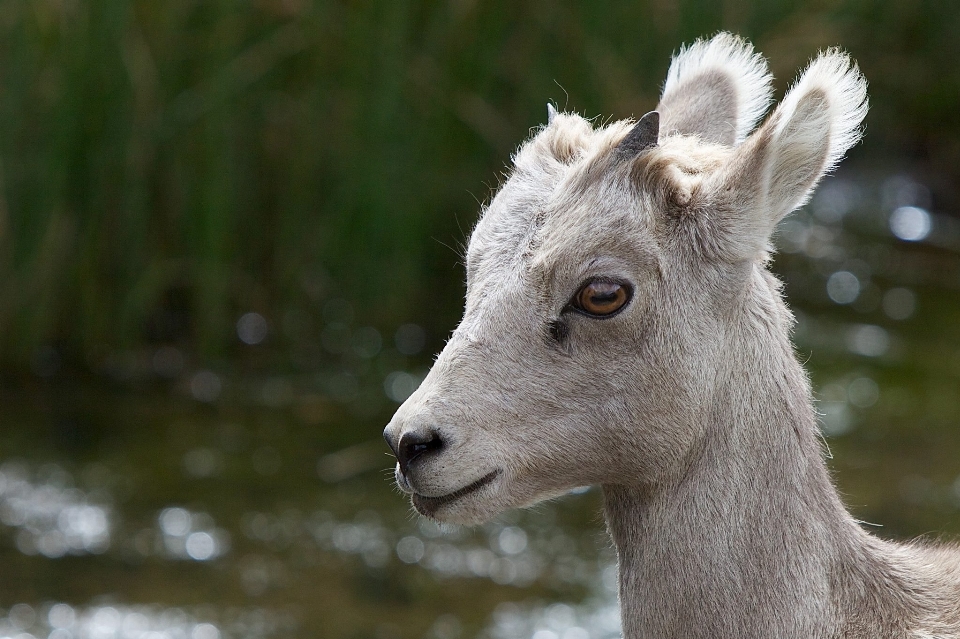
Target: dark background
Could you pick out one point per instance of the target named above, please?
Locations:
(168, 167)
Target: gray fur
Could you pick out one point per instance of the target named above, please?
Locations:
(688, 407)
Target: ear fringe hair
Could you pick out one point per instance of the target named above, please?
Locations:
(839, 78)
(735, 57)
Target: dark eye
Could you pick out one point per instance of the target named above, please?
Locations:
(601, 298)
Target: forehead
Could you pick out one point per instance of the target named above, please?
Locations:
(546, 234)
(569, 195)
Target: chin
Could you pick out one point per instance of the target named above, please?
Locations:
(481, 502)
(463, 514)
(474, 504)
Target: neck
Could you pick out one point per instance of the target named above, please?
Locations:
(750, 540)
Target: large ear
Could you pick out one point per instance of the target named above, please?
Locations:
(777, 168)
(716, 89)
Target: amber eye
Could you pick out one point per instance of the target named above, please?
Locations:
(601, 298)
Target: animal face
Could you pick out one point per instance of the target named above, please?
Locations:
(606, 284)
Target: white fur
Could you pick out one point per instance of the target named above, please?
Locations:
(734, 57)
(810, 139)
(833, 73)
(777, 168)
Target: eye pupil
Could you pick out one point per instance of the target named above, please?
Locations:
(601, 298)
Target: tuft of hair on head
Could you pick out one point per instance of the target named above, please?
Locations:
(716, 89)
(560, 141)
(778, 167)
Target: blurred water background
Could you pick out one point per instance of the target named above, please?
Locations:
(229, 236)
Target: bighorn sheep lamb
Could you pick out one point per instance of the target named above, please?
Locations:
(621, 328)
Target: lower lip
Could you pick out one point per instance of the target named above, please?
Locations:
(402, 483)
(429, 505)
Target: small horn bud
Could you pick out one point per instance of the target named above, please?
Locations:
(551, 113)
(644, 135)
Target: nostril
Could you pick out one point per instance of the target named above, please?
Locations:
(413, 445)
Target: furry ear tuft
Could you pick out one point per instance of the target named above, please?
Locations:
(835, 77)
(776, 170)
(717, 89)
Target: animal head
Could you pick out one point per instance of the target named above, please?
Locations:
(613, 279)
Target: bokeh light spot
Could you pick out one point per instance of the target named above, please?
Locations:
(61, 615)
(899, 303)
(205, 386)
(868, 340)
(410, 549)
(202, 462)
(175, 521)
(843, 287)
(22, 616)
(205, 631)
(367, 342)
(910, 223)
(201, 546)
(252, 328)
(410, 339)
(512, 540)
(863, 392)
(399, 385)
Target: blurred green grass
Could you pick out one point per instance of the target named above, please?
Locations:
(165, 167)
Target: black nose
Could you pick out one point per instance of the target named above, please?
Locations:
(413, 445)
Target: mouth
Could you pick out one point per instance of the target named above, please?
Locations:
(429, 505)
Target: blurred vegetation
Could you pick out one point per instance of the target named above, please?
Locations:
(167, 167)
